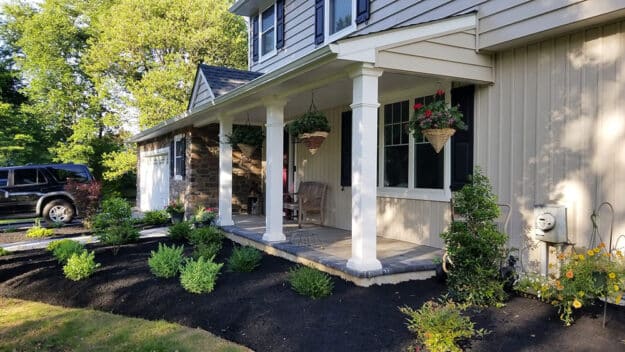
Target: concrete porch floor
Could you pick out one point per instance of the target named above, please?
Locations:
(328, 250)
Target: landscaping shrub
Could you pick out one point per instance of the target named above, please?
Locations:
(198, 276)
(206, 250)
(244, 259)
(440, 326)
(155, 217)
(114, 224)
(62, 250)
(80, 266)
(86, 198)
(179, 231)
(475, 246)
(4, 252)
(37, 231)
(166, 261)
(209, 234)
(310, 282)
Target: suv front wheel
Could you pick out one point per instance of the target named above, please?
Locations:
(58, 210)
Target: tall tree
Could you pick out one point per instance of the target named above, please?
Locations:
(151, 48)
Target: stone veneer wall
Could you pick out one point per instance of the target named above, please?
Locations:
(200, 186)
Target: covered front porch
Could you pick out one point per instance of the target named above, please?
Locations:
(328, 249)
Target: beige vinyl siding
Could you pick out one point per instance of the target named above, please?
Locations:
(504, 21)
(552, 129)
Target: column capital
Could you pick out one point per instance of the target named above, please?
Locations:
(225, 118)
(274, 102)
(364, 69)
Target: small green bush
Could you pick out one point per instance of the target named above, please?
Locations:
(209, 234)
(166, 261)
(115, 210)
(4, 252)
(198, 276)
(440, 326)
(80, 266)
(39, 232)
(119, 234)
(206, 250)
(62, 250)
(180, 231)
(244, 259)
(155, 217)
(310, 282)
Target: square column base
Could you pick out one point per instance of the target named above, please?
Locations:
(274, 237)
(225, 222)
(364, 264)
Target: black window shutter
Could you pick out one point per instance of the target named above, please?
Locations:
(346, 149)
(362, 11)
(255, 38)
(172, 159)
(462, 141)
(279, 24)
(319, 12)
(183, 159)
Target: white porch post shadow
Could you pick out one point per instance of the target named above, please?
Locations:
(364, 159)
(273, 177)
(225, 172)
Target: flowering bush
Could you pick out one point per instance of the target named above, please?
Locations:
(583, 277)
(436, 114)
(175, 207)
(205, 214)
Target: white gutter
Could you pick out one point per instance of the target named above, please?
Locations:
(265, 81)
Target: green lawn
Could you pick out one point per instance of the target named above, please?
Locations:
(11, 221)
(32, 326)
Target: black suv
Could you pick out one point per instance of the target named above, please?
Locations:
(38, 190)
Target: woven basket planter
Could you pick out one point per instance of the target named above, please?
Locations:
(246, 149)
(438, 137)
(313, 140)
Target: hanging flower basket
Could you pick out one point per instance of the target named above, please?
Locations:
(312, 128)
(313, 140)
(247, 149)
(438, 137)
(247, 138)
(436, 121)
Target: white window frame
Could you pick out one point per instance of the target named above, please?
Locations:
(326, 23)
(177, 173)
(430, 194)
(273, 52)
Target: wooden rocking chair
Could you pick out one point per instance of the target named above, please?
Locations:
(309, 198)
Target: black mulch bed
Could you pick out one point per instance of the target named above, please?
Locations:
(260, 311)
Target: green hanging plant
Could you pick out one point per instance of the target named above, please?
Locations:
(250, 135)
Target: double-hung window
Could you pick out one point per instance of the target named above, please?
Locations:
(340, 15)
(268, 31)
(409, 166)
(177, 157)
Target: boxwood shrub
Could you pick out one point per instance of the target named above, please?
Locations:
(200, 275)
(180, 231)
(310, 282)
(244, 259)
(62, 250)
(80, 266)
(166, 261)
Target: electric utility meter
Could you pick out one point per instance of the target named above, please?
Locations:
(550, 223)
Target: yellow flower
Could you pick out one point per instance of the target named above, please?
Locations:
(616, 288)
(581, 257)
(581, 294)
(612, 275)
(597, 250)
(577, 304)
(590, 252)
(618, 298)
(619, 253)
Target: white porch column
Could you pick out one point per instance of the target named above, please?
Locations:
(364, 160)
(225, 172)
(273, 177)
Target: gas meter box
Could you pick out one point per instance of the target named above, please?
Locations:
(550, 223)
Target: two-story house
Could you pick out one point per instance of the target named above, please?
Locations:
(541, 85)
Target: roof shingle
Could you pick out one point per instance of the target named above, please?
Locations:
(223, 79)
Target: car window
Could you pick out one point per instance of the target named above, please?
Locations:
(64, 172)
(23, 177)
(4, 178)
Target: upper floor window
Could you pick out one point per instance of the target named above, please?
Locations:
(337, 18)
(267, 33)
(340, 15)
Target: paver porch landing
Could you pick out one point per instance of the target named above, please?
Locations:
(328, 249)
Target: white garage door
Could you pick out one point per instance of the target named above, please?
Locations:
(154, 179)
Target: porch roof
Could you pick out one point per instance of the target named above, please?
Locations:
(443, 49)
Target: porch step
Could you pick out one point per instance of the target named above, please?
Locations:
(394, 270)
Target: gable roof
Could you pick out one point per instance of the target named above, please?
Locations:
(214, 81)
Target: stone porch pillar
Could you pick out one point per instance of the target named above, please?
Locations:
(364, 160)
(225, 172)
(273, 177)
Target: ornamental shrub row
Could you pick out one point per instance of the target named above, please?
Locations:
(78, 263)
